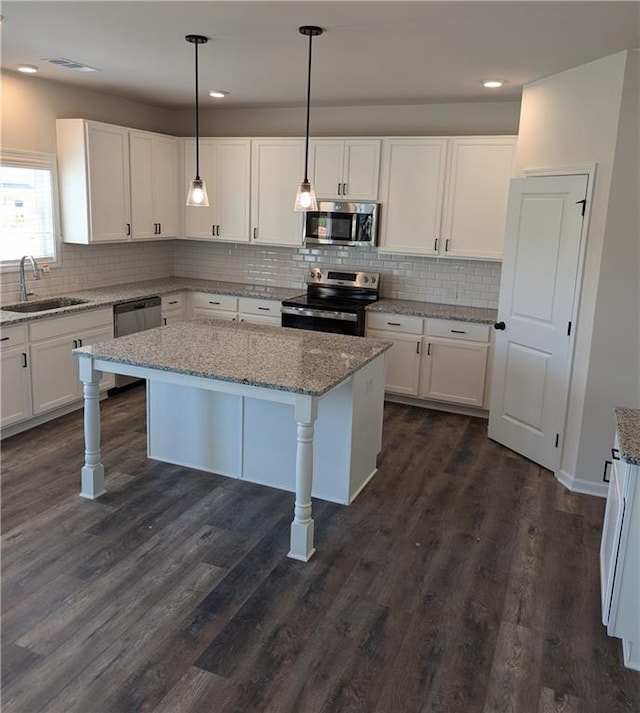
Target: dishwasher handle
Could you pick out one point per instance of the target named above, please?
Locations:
(133, 305)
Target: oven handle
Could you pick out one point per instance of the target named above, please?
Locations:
(323, 314)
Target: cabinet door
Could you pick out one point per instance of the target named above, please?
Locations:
(93, 336)
(200, 222)
(16, 386)
(143, 217)
(476, 198)
(402, 370)
(165, 185)
(199, 312)
(361, 169)
(453, 371)
(108, 166)
(326, 158)
(277, 166)
(260, 319)
(233, 190)
(54, 374)
(170, 316)
(412, 191)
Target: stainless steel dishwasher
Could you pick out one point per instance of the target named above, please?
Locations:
(131, 317)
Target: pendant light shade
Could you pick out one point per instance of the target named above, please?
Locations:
(306, 196)
(197, 195)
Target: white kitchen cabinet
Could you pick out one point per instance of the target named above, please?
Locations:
(454, 362)
(225, 166)
(345, 168)
(172, 308)
(54, 369)
(619, 562)
(412, 194)
(16, 378)
(212, 306)
(93, 174)
(446, 197)
(259, 311)
(402, 366)
(154, 185)
(475, 209)
(277, 167)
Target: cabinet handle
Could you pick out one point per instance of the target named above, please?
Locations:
(5, 339)
(458, 331)
(128, 228)
(339, 184)
(446, 245)
(607, 464)
(394, 324)
(429, 349)
(79, 342)
(173, 302)
(213, 303)
(417, 347)
(159, 228)
(344, 189)
(255, 233)
(265, 309)
(164, 321)
(615, 454)
(435, 245)
(217, 230)
(75, 343)
(24, 360)
(213, 230)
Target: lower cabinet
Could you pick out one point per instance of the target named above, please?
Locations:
(15, 395)
(257, 311)
(619, 562)
(172, 308)
(231, 308)
(448, 364)
(54, 369)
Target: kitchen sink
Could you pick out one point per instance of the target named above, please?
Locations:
(44, 305)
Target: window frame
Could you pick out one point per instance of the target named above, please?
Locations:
(45, 161)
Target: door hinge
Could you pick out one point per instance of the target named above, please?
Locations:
(557, 439)
(569, 329)
(584, 205)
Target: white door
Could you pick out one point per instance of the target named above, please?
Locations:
(533, 352)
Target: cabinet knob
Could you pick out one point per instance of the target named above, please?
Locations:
(615, 454)
(499, 325)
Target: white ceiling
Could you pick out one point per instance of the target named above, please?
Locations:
(371, 52)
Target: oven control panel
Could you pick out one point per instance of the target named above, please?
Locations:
(342, 278)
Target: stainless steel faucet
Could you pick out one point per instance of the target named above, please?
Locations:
(23, 284)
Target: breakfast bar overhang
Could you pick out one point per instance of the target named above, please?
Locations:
(223, 397)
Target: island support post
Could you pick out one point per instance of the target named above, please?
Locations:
(92, 473)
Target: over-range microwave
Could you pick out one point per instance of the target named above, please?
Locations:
(342, 223)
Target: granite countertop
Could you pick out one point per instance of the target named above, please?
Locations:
(294, 360)
(629, 434)
(108, 296)
(435, 310)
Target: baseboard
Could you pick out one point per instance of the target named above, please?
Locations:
(437, 405)
(586, 487)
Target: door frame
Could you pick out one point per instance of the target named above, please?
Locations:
(590, 171)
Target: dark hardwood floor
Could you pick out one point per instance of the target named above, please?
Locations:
(463, 579)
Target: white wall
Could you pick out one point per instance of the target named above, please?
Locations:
(573, 119)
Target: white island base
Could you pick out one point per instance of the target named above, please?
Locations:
(255, 439)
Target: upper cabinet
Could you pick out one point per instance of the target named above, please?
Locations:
(345, 168)
(225, 166)
(93, 169)
(446, 197)
(154, 185)
(277, 166)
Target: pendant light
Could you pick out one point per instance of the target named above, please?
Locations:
(306, 196)
(197, 195)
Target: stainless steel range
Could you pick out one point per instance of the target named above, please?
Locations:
(335, 301)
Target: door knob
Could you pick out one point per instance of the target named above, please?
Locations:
(499, 325)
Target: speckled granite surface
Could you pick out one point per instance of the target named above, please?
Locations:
(435, 310)
(293, 360)
(629, 432)
(107, 296)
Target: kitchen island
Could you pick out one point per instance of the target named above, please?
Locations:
(250, 401)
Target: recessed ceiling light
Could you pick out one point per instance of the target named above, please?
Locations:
(27, 68)
(218, 94)
(492, 83)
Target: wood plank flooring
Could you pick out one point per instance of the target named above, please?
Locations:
(464, 579)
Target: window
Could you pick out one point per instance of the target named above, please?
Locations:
(28, 209)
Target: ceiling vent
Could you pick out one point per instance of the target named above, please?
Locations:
(71, 64)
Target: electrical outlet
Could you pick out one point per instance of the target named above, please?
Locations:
(46, 269)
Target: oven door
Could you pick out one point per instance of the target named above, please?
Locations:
(322, 320)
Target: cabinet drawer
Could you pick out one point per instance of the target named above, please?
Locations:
(394, 322)
(452, 329)
(251, 305)
(47, 328)
(13, 336)
(203, 300)
(170, 302)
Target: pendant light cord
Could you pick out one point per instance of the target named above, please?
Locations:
(197, 120)
(306, 146)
